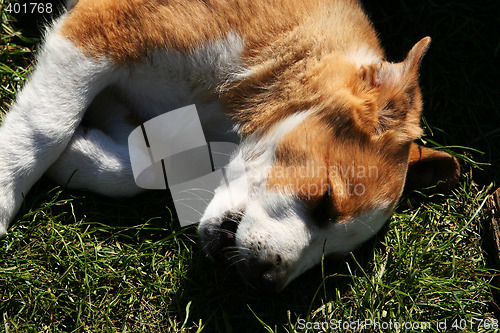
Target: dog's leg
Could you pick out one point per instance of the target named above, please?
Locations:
(94, 161)
(97, 157)
(428, 167)
(44, 117)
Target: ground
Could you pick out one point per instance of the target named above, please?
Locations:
(74, 261)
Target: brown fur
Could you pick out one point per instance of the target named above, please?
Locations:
(358, 172)
(365, 120)
(293, 72)
(293, 47)
(127, 30)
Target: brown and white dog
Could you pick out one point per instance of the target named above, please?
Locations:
(326, 123)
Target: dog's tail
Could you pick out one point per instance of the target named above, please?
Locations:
(45, 116)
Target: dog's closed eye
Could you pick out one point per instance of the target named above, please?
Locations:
(321, 210)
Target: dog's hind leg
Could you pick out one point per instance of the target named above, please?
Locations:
(94, 161)
(44, 117)
(97, 157)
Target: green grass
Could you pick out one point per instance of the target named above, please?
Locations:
(74, 261)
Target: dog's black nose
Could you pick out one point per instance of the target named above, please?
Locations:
(260, 276)
(267, 282)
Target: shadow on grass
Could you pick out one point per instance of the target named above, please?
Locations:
(214, 292)
(220, 297)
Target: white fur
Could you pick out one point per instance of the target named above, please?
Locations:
(44, 117)
(167, 81)
(363, 55)
(275, 224)
(246, 174)
(338, 238)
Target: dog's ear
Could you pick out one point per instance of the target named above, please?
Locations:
(395, 100)
(390, 75)
(428, 167)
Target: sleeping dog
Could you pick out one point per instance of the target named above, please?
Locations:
(326, 123)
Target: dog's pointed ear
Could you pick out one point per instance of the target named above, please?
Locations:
(389, 75)
(397, 102)
(428, 167)
(416, 54)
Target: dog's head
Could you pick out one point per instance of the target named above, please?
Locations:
(320, 181)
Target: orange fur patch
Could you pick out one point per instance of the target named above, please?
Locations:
(126, 30)
(357, 174)
(294, 72)
(353, 151)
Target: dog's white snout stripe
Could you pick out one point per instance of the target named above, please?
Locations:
(170, 151)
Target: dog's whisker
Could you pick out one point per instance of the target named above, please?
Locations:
(191, 199)
(199, 189)
(235, 248)
(232, 254)
(198, 197)
(192, 208)
(237, 262)
(221, 154)
(228, 231)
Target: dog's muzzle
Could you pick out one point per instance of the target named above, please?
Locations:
(219, 242)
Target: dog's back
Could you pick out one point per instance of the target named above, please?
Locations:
(126, 31)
